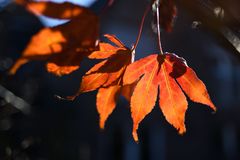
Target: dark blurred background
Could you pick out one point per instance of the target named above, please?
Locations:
(34, 125)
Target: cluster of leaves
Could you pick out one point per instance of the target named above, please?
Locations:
(64, 46)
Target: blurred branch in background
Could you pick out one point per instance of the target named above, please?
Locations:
(220, 17)
(232, 38)
(15, 101)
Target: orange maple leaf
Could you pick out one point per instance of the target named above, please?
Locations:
(107, 76)
(171, 75)
(63, 46)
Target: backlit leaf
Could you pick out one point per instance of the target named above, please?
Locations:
(172, 101)
(163, 72)
(138, 68)
(64, 10)
(189, 82)
(145, 92)
(127, 90)
(115, 40)
(144, 98)
(62, 64)
(77, 37)
(106, 102)
(105, 51)
(106, 76)
(93, 80)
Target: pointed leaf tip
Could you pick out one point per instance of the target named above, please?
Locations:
(189, 81)
(106, 102)
(114, 40)
(182, 130)
(102, 123)
(135, 136)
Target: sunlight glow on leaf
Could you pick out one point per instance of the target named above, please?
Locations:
(50, 22)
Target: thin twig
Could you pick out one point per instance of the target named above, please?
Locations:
(158, 30)
(141, 27)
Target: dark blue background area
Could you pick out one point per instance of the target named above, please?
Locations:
(62, 130)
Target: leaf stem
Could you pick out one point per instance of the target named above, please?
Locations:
(141, 27)
(158, 28)
(106, 6)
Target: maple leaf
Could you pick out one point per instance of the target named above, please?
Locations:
(63, 46)
(170, 75)
(65, 10)
(107, 77)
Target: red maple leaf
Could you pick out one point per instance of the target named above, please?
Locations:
(170, 75)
